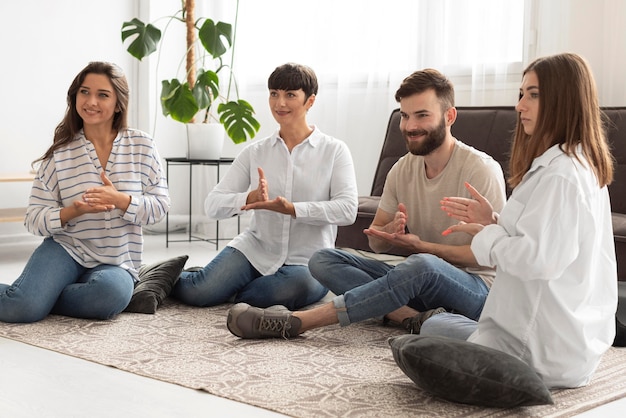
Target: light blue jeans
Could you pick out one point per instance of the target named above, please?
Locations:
(230, 277)
(367, 288)
(52, 282)
(449, 325)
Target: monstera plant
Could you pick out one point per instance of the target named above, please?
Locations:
(203, 88)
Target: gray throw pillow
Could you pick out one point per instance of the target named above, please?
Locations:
(156, 281)
(464, 372)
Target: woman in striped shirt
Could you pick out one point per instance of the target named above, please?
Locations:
(95, 187)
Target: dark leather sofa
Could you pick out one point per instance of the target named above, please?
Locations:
(490, 129)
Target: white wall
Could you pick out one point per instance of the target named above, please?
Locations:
(596, 30)
(45, 43)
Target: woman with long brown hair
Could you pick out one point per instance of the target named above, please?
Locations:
(95, 187)
(554, 297)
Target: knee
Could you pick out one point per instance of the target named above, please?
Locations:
(422, 262)
(26, 312)
(320, 262)
(114, 297)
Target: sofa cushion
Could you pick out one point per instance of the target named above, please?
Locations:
(619, 226)
(368, 204)
(464, 372)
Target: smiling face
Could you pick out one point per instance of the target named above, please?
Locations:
(528, 104)
(422, 122)
(96, 100)
(289, 106)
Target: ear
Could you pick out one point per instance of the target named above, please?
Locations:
(450, 116)
(310, 101)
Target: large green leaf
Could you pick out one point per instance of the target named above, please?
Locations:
(177, 101)
(146, 41)
(238, 119)
(213, 36)
(207, 88)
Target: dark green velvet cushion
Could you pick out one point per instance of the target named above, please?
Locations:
(156, 281)
(460, 371)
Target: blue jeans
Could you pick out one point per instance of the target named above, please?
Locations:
(230, 277)
(449, 325)
(53, 282)
(369, 288)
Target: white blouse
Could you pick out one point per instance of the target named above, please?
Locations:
(317, 177)
(554, 298)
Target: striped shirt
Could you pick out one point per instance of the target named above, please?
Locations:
(113, 237)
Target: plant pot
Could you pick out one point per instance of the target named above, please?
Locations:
(205, 141)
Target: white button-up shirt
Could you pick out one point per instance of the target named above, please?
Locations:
(554, 298)
(317, 177)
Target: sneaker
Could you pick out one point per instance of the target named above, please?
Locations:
(414, 324)
(246, 321)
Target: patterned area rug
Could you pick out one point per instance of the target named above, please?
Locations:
(331, 372)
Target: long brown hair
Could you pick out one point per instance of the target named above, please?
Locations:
(72, 123)
(569, 115)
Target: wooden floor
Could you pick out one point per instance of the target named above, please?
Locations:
(41, 383)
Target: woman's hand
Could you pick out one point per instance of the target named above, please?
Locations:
(471, 228)
(280, 205)
(104, 198)
(261, 194)
(477, 210)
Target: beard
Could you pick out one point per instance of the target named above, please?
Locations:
(432, 139)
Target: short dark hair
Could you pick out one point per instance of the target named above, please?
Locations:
(426, 79)
(293, 76)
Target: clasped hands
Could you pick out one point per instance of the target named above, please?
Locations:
(259, 199)
(100, 199)
(473, 215)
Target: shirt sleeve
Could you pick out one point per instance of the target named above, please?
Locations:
(229, 195)
(537, 238)
(152, 204)
(342, 206)
(43, 215)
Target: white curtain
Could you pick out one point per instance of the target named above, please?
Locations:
(362, 49)
(595, 30)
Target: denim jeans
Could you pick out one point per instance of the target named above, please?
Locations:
(230, 277)
(449, 325)
(369, 288)
(53, 282)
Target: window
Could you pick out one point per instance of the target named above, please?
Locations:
(352, 37)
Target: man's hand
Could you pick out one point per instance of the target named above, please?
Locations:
(477, 210)
(401, 239)
(398, 225)
(395, 232)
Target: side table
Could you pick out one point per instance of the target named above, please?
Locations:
(190, 163)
